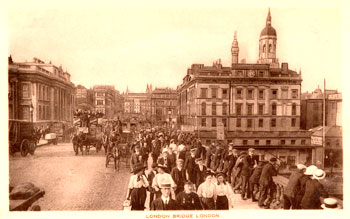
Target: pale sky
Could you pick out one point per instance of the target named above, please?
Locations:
(134, 47)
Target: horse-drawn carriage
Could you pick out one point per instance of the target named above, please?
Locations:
(118, 148)
(87, 137)
(22, 137)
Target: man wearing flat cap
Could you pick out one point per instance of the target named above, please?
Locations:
(266, 182)
(165, 202)
(188, 200)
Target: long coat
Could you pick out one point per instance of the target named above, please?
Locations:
(293, 185)
(266, 175)
(313, 191)
(190, 165)
(158, 205)
(179, 177)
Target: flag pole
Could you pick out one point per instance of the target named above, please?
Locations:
(324, 123)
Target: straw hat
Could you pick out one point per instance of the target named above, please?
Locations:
(310, 170)
(330, 203)
(301, 166)
(319, 174)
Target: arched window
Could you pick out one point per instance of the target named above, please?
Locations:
(264, 47)
(270, 48)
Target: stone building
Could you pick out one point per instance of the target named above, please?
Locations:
(40, 92)
(84, 98)
(138, 104)
(258, 104)
(104, 100)
(312, 109)
(164, 106)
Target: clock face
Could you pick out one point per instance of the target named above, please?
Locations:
(251, 73)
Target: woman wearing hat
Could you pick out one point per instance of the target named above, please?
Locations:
(137, 188)
(314, 191)
(224, 198)
(207, 192)
(160, 177)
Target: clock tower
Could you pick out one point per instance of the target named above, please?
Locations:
(235, 49)
(268, 44)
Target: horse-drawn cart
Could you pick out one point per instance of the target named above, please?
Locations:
(21, 137)
(87, 137)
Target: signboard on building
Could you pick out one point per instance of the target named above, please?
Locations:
(316, 140)
(220, 132)
(187, 128)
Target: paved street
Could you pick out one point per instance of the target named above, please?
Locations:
(71, 182)
(78, 182)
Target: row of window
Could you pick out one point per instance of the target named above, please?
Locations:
(249, 122)
(239, 107)
(268, 142)
(250, 93)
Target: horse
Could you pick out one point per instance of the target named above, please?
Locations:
(113, 152)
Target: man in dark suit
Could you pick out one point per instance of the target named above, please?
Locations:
(164, 202)
(164, 160)
(188, 200)
(155, 150)
(136, 157)
(201, 172)
(150, 178)
(190, 165)
(178, 174)
(254, 180)
(266, 182)
(293, 187)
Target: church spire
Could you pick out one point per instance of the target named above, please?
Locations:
(268, 19)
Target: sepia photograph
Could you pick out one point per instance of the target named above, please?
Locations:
(152, 109)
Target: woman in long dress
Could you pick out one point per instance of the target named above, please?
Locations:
(138, 184)
(224, 193)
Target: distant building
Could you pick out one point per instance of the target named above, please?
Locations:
(312, 109)
(138, 104)
(164, 106)
(258, 104)
(104, 100)
(84, 98)
(40, 92)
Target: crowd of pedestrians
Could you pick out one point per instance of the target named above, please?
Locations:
(186, 175)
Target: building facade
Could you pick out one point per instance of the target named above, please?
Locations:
(312, 109)
(104, 100)
(258, 104)
(138, 104)
(84, 98)
(40, 92)
(164, 106)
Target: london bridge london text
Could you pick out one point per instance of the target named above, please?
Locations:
(173, 216)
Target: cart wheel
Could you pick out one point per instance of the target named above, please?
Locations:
(24, 147)
(32, 147)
